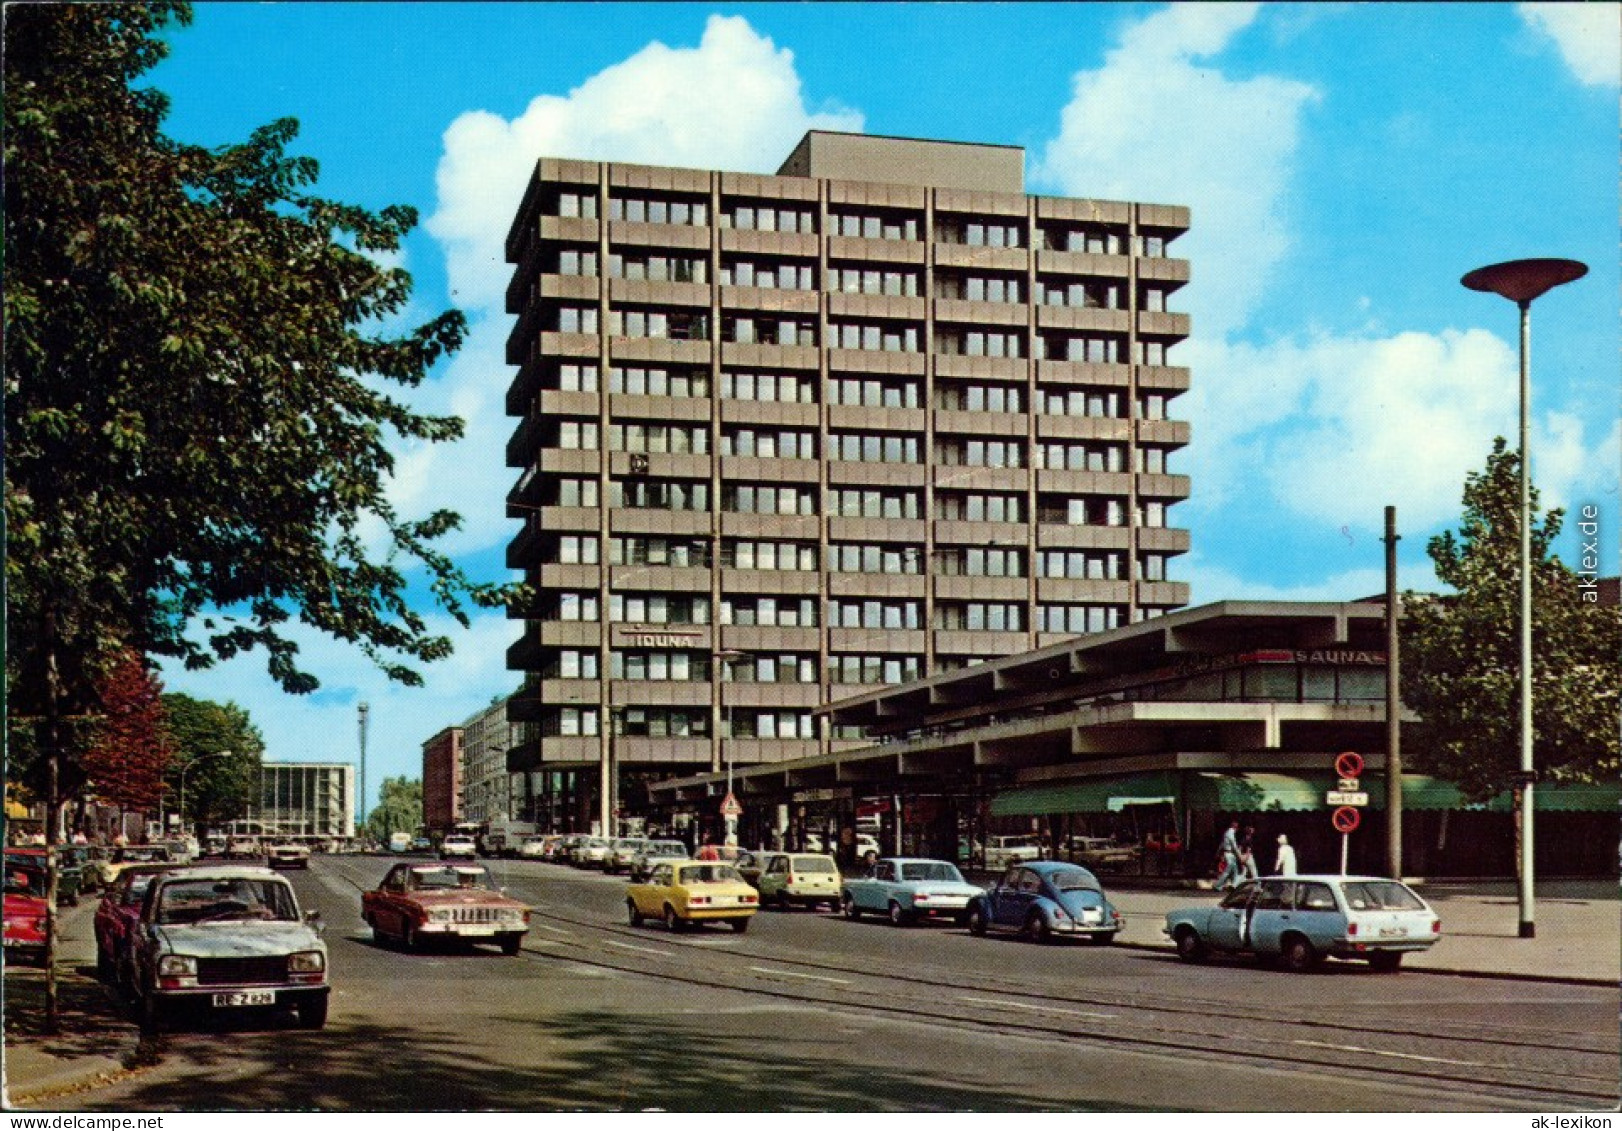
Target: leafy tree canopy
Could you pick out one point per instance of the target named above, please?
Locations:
(399, 808)
(132, 746)
(1461, 651)
(197, 383)
(219, 750)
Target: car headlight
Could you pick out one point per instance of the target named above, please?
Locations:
(177, 966)
(306, 962)
(439, 915)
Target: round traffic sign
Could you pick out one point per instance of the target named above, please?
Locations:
(1349, 764)
(1345, 819)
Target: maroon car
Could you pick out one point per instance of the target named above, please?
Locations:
(119, 910)
(420, 902)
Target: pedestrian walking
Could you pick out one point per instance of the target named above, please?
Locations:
(1228, 857)
(1247, 853)
(708, 851)
(1284, 865)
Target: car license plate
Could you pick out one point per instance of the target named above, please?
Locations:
(1393, 932)
(1091, 915)
(246, 997)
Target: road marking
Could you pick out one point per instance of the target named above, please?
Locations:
(792, 974)
(643, 949)
(1035, 1008)
(1394, 1055)
(554, 930)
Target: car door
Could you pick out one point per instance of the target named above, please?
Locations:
(1318, 915)
(1227, 928)
(873, 894)
(1006, 900)
(1272, 913)
(774, 877)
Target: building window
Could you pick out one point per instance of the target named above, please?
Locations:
(872, 281)
(571, 377)
(981, 507)
(1079, 618)
(874, 447)
(776, 724)
(658, 608)
(799, 557)
(887, 337)
(764, 217)
(873, 392)
(574, 607)
(663, 722)
(980, 616)
(769, 443)
(874, 225)
(571, 663)
(659, 666)
(577, 319)
(576, 549)
(978, 231)
(679, 553)
(974, 561)
(786, 668)
(770, 612)
(1152, 567)
(677, 439)
(976, 341)
(577, 204)
(1083, 457)
(658, 268)
(979, 398)
(769, 274)
(659, 494)
(1077, 565)
(751, 498)
(1091, 239)
(575, 261)
(675, 325)
(869, 612)
(1053, 401)
(641, 381)
(1093, 294)
(640, 209)
(980, 453)
(1152, 406)
(863, 502)
(874, 669)
(855, 557)
(566, 491)
(787, 388)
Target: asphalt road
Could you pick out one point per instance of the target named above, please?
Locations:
(809, 1012)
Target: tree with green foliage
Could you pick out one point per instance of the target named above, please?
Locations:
(1461, 651)
(197, 403)
(220, 751)
(399, 809)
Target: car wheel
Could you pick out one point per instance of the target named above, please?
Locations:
(673, 922)
(848, 902)
(632, 913)
(511, 943)
(740, 925)
(312, 1012)
(1385, 961)
(408, 937)
(1299, 957)
(977, 921)
(899, 917)
(1190, 947)
(1036, 928)
(150, 1013)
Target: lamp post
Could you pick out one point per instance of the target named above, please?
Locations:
(1521, 281)
(363, 710)
(728, 656)
(186, 769)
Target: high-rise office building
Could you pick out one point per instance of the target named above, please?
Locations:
(783, 438)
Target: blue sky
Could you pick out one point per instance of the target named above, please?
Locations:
(1345, 165)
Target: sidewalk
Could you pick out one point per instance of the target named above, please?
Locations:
(1578, 922)
(1579, 940)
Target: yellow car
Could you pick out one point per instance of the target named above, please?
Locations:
(682, 892)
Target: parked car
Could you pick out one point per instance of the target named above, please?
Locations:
(125, 855)
(750, 862)
(533, 847)
(69, 873)
(907, 889)
(807, 878)
(458, 846)
(563, 849)
(621, 851)
(183, 850)
(243, 848)
(419, 902)
(227, 937)
(1102, 854)
(1046, 899)
(685, 892)
(288, 854)
(590, 852)
(25, 910)
(654, 853)
(421, 844)
(116, 916)
(1002, 851)
(1301, 919)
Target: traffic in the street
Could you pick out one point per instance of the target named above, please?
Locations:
(588, 1009)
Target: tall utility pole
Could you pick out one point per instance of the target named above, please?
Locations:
(1393, 702)
(360, 824)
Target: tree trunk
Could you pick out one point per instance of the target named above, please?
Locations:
(53, 813)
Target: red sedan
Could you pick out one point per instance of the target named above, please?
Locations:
(24, 910)
(418, 902)
(119, 909)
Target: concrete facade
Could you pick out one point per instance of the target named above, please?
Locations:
(785, 438)
(304, 800)
(489, 791)
(442, 779)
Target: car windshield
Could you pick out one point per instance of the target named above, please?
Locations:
(463, 877)
(142, 855)
(24, 881)
(932, 870)
(136, 891)
(708, 874)
(1073, 879)
(1380, 895)
(666, 848)
(218, 901)
(812, 864)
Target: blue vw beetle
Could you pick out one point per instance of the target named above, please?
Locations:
(1045, 899)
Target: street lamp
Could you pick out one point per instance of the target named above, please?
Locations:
(186, 769)
(728, 656)
(1521, 281)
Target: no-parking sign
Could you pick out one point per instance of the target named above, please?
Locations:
(1345, 819)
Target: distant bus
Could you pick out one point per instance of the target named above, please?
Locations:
(399, 842)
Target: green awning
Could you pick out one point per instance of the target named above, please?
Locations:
(1088, 795)
(1421, 791)
(1249, 792)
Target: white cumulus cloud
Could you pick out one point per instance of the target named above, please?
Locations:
(733, 102)
(1588, 37)
(1154, 124)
